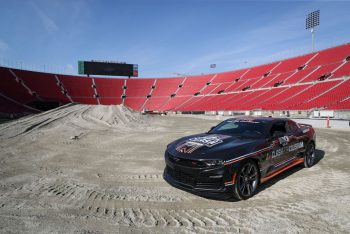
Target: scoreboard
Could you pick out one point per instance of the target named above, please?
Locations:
(107, 68)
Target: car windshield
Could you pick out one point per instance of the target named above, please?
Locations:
(240, 128)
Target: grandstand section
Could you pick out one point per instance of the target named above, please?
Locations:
(109, 90)
(318, 80)
(35, 81)
(11, 108)
(13, 87)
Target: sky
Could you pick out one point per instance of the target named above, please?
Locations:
(164, 37)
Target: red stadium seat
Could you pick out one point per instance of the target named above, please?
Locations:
(194, 84)
(155, 103)
(165, 87)
(45, 85)
(139, 87)
(315, 80)
(109, 87)
(331, 55)
(341, 105)
(12, 88)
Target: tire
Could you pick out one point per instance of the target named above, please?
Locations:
(309, 155)
(247, 180)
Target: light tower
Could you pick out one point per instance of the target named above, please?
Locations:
(313, 20)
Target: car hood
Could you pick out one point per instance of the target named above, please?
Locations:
(210, 146)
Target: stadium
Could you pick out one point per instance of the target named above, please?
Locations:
(293, 87)
(84, 153)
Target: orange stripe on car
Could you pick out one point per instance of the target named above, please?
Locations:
(247, 156)
(273, 174)
(232, 182)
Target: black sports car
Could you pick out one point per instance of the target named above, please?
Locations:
(238, 154)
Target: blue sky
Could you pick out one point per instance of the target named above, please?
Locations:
(164, 36)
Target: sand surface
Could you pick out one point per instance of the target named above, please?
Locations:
(98, 169)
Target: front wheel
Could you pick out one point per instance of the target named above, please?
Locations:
(309, 156)
(247, 179)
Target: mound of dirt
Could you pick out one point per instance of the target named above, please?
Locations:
(114, 116)
(93, 117)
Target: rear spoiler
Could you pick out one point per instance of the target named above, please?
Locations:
(305, 125)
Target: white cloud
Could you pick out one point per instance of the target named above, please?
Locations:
(69, 69)
(4, 46)
(47, 22)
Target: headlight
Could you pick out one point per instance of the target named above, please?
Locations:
(214, 163)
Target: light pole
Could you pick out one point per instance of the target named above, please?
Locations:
(212, 66)
(313, 20)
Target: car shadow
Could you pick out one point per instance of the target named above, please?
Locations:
(319, 155)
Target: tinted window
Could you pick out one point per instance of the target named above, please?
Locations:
(240, 128)
(278, 127)
(291, 126)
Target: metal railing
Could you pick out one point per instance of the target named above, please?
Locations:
(47, 68)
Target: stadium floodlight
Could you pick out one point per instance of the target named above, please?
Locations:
(313, 20)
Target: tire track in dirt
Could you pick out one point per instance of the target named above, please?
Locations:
(32, 123)
(307, 184)
(104, 205)
(96, 192)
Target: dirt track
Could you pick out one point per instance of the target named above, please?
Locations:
(109, 179)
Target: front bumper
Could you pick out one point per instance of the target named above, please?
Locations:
(207, 182)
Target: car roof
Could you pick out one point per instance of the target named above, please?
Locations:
(259, 119)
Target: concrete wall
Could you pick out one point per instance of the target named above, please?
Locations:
(289, 114)
(342, 115)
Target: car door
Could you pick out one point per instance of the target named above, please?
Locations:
(296, 143)
(280, 140)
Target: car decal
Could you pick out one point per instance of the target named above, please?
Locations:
(208, 141)
(247, 156)
(195, 143)
(286, 149)
(188, 147)
(284, 140)
(243, 121)
(284, 162)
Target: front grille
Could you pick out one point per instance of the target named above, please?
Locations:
(207, 182)
(186, 162)
(193, 180)
(182, 177)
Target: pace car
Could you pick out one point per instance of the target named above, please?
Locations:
(237, 155)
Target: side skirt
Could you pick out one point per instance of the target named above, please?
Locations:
(279, 171)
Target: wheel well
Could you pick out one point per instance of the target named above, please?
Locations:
(257, 162)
